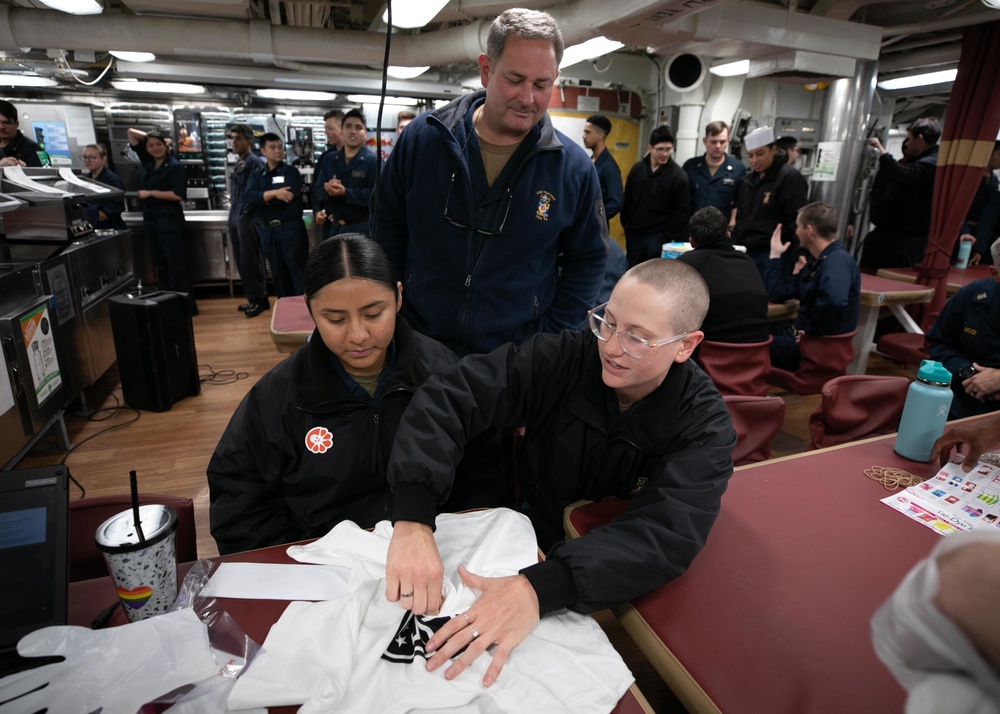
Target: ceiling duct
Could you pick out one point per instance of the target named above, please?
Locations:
(802, 67)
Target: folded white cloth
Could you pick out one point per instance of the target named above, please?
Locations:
(328, 655)
(926, 651)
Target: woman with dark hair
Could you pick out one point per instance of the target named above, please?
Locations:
(107, 212)
(162, 189)
(308, 446)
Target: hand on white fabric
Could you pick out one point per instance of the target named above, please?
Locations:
(114, 671)
(414, 573)
(777, 247)
(984, 385)
(505, 613)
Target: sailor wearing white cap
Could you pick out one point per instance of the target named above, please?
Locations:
(771, 193)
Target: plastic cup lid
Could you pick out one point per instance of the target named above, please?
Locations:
(118, 534)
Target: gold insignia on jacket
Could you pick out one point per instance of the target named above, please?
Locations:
(545, 201)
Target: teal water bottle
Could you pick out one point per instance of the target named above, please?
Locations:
(926, 410)
(964, 251)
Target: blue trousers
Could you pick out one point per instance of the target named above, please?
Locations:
(248, 255)
(286, 247)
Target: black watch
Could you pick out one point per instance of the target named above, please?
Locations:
(967, 371)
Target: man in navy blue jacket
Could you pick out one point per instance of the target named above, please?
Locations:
(828, 287)
(493, 218)
(342, 200)
(595, 135)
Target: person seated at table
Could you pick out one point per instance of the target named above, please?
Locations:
(737, 310)
(977, 436)
(308, 446)
(965, 338)
(939, 632)
(614, 410)
(827, 286)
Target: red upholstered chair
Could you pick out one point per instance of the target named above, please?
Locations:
(87, 514)
(823, 358)
(756, 420)
(738, 369)
(856, 406)
(905, 347)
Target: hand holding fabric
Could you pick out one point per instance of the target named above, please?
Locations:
(414, 573)
(505, 613)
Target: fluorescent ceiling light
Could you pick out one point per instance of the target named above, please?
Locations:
(591, 49)
(158, 87)
(731, 69)
(920, 80)
(301, 95)
(132, 56)
(413, 13)
(405, 72)
(75, 7)
(374, 99)
(25, 80)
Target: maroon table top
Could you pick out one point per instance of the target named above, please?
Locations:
(773, 615)
(956, 278)
(88, 597)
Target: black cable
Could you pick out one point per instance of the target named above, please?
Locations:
(378, 121)
(223, 376)
(73, 447)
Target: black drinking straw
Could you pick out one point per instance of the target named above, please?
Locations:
(135, 506)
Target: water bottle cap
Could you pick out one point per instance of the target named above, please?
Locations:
(933, 372)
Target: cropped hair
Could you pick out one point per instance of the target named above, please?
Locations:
(684, 287)
(270, 136)
(8, 111)
(99, 148)
(601, 122)
(822, 217)
(786, 142)
(707, 225)
(243, 130)
(524, 25)
(334, 114)
(348, 255)
(661, 134)
(927, 127)
(355, 114)
(404, 115)
(714, 128)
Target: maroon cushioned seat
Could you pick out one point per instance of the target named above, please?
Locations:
(737, 369)
(857, 406)
(905, 347)
(86, 515)
(823, 358)
(756, 420)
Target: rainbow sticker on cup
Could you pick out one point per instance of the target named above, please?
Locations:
(136, 597)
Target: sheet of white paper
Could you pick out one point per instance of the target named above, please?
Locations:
(265, 581)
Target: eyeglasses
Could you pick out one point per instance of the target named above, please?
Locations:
(504, 204)
(88, 157)
(632, 345)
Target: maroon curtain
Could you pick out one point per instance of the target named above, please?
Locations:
(970, 129)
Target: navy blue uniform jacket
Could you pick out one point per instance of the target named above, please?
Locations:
(717, 190)
(240, 179)
(968, 328)
(23, 148)
(470, 290)
(170, 176)
(828, 290)
(358, 177)
(111, 207)
(610, 177)
(764, 202)
(267, 179)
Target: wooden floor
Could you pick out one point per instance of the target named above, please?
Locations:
(170, 450)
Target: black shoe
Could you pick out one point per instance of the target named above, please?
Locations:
(256, 309)
(243, 307)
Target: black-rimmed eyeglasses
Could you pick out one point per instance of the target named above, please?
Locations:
(631, 344)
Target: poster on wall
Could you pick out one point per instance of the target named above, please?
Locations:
(827, 160)
(36, 329)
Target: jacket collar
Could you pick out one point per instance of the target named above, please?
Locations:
(321, 388)
(451, 118)
(653, 420)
